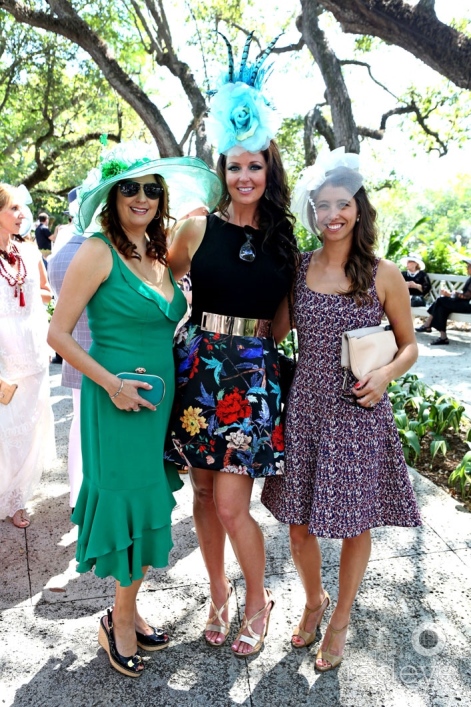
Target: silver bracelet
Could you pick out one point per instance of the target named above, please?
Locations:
(118, 391)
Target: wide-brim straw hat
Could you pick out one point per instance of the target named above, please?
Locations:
(187, 179)
(415, 259)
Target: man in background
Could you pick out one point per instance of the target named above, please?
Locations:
(42, 232)
(58, 263)
(64, 232)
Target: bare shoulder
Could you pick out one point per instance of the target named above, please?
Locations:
(94, 255)
(189, 234)
(387, 267)
(94, 247)
(390, 284)
(388, 273)
(192, 228)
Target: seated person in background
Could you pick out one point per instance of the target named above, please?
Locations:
(416, 279)
(446, 304)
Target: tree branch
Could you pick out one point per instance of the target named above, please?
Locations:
(314, 121)
(354, 62)
(402, 110)
(71, 26)
(45, 167)
(415, 29)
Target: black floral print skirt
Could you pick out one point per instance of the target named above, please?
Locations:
(226, 414)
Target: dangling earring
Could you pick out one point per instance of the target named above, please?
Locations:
(358, 218)
(157, 215)
(266, 194)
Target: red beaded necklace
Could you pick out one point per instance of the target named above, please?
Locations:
(13, 258)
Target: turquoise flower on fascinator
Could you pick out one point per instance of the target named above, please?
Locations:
(241, 116)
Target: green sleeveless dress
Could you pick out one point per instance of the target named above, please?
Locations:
(125, 503)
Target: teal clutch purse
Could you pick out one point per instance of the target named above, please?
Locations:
(154, 396)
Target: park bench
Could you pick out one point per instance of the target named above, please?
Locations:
(452, 282)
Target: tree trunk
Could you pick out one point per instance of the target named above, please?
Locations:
(344, 127)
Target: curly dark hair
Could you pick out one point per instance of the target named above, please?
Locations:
(361, 260)
(274, 217)
(156, 230)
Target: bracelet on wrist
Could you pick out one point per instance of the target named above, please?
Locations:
(118, 391)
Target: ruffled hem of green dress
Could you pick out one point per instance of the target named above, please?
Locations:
(122, 531)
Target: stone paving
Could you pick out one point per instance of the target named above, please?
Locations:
(408, 644)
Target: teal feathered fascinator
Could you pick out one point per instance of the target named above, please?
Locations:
(241, 116)
(187, 178)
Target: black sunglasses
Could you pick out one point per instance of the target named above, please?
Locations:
(151, 189)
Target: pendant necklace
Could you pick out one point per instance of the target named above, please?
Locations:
(247, 251)
(13, 257)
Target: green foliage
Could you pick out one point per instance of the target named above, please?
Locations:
(442, 230)
(420, 411)
(52, 95)
(290, 141)
(364, 44)
(51, 305)
(438, 258)
(307, 241)
(394, 247)
(286, 346)
(461, 476)
(444, 117)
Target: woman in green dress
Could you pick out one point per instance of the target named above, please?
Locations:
(120, 274)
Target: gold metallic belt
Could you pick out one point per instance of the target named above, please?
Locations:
(235, 326)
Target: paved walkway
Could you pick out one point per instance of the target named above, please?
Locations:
(447, 368)
(408, 645)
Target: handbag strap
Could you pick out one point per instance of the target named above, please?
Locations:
(291, 325)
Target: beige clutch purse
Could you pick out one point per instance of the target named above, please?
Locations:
(365, 350)
(7, 391)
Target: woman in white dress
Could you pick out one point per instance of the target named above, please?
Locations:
(26, 423)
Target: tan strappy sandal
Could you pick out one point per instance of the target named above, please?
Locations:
(309, 638)
(334, 660)
(255, 639)
(217, 623)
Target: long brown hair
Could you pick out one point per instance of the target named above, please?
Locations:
(361, 259)
(156, 230)
(274, 217)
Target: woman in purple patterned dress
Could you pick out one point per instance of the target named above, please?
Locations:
(345, 471)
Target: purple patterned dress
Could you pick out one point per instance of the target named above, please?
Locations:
(345, 471)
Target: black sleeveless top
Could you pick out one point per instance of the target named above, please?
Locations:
(222, 283)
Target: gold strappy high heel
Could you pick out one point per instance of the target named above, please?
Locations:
(217, 623)
(334, 660)
(309, 638)
(254, 639)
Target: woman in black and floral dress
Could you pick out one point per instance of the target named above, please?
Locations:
(226, 422)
